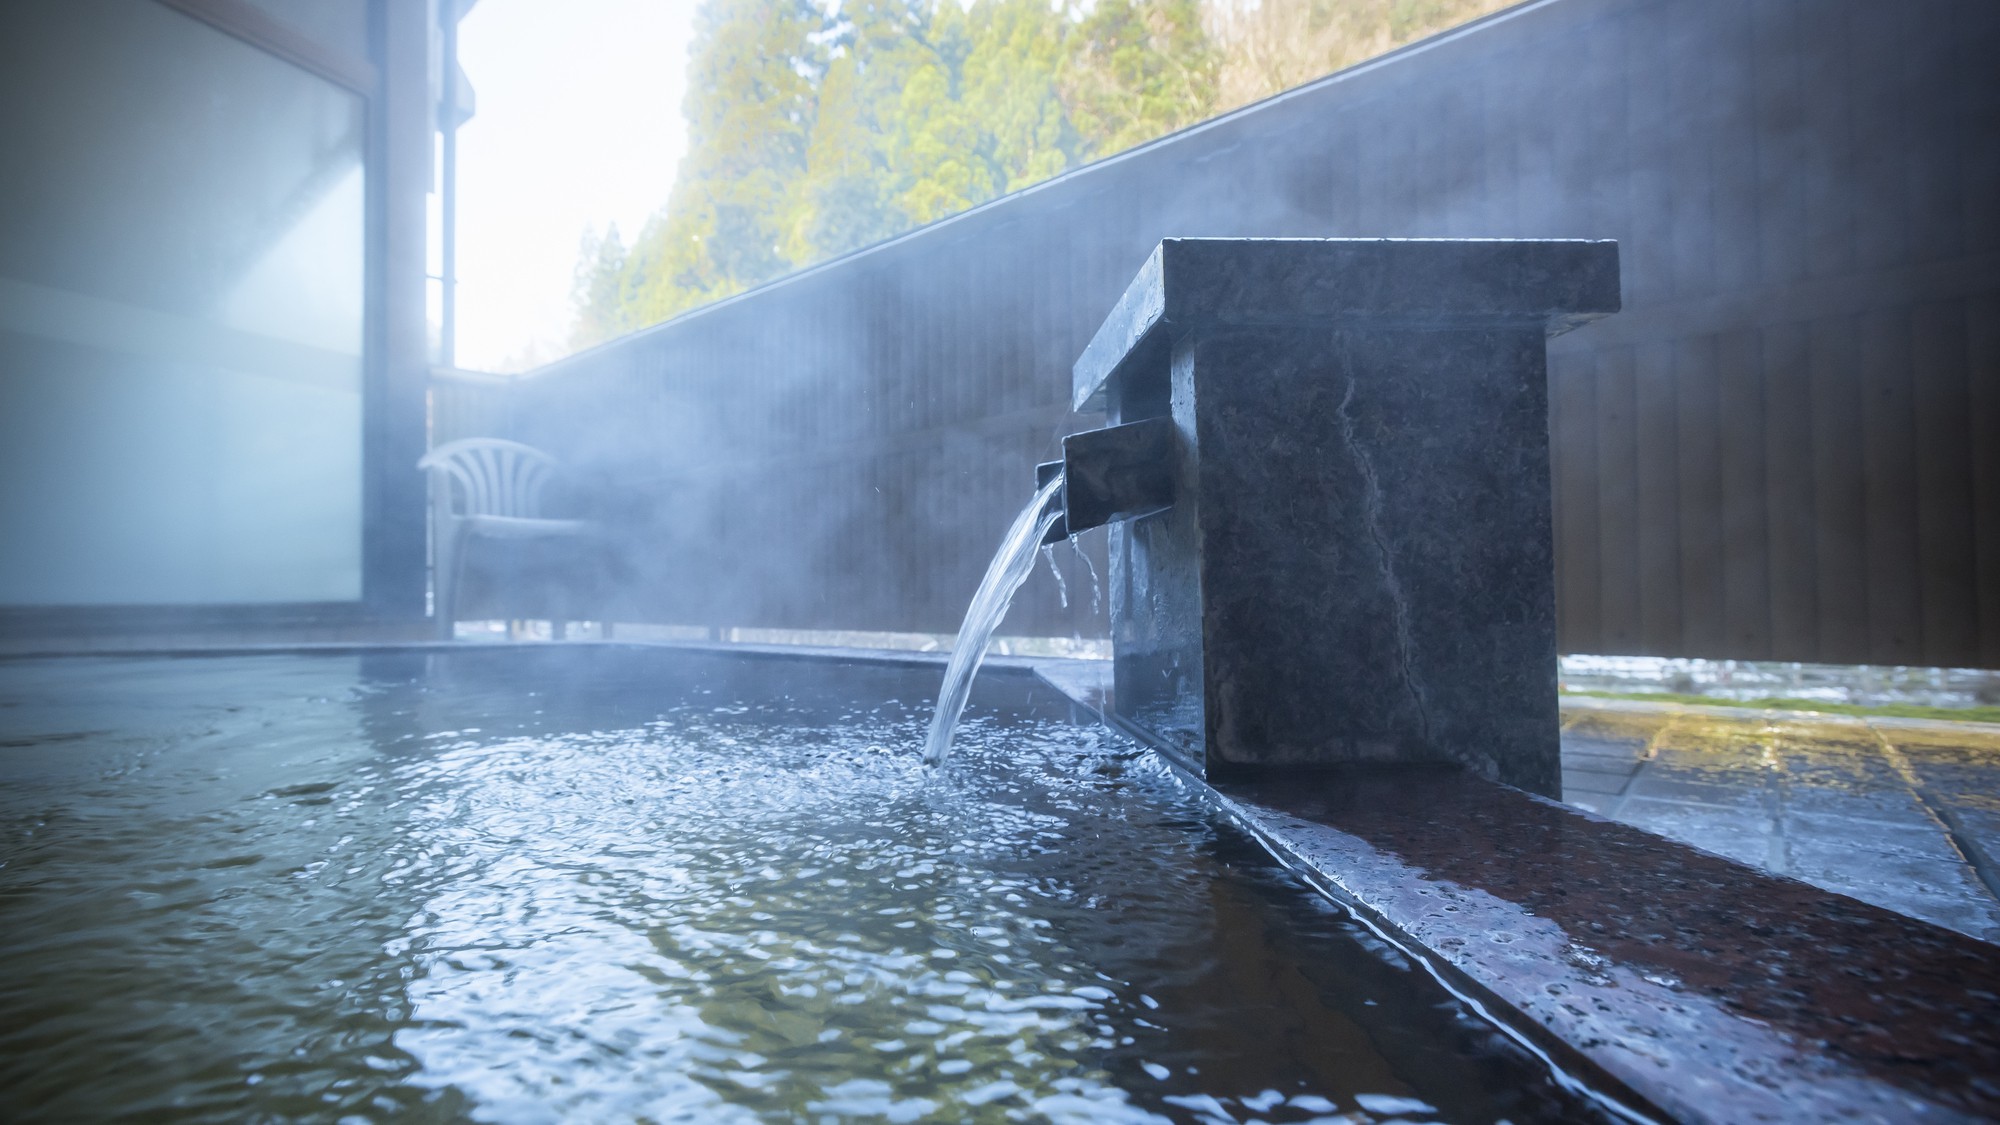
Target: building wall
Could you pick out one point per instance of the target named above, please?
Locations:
(1786, 447)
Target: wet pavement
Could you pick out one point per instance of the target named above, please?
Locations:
(1900, 813)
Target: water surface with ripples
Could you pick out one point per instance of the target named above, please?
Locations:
(627, 884)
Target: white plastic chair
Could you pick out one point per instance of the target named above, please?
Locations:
(486, 488)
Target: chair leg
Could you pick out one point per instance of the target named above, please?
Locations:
(447, 602)
(445, 543)
(443, 557)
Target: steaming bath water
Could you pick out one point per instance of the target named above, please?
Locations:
(604, 884)
(1010, 567)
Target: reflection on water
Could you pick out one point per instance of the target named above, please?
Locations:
(520, 888)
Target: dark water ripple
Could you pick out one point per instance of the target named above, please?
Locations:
(311, 888)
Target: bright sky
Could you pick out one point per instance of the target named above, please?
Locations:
(578, 126)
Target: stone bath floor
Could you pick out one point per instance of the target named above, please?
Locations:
(1902, 813)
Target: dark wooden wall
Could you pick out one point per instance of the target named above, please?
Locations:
(1786, 447)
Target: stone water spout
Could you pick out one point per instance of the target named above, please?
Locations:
(1115, 473)
(1327, 481)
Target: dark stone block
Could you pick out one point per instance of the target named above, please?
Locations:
(1358, 563)
(1323, 282)
(1118, 473)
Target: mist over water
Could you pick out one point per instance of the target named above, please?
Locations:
(1010, 567)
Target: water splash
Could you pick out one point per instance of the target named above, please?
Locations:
(1096, 587)
(1010, 567)
(1055, 572)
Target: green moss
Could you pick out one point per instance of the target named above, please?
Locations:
(1779, 703)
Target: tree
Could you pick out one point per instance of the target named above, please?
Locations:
(1269, 46)
(595, 291)
(1012, 78)
(816, 127)
(846, 199)
(817, 130)
(753, 80)
(1142, 69)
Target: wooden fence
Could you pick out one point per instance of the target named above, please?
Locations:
(1786, 447)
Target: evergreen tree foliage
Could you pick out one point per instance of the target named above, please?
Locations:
(598, 289)
(817, 127)
(752, 97)
(847, 197)
(1140, 70)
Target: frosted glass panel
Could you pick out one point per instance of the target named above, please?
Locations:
(181, 294)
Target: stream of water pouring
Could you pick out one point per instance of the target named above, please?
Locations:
(1010, 567)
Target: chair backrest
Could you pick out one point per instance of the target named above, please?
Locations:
(495, 477)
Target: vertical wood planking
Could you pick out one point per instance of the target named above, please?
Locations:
(1780, 149)
(1895, 625)
(1600, 170)
(1930, 154)
(1982, 353)
(1424, 157)
(1787, 446)
(1791, 508)
(1573, 457)
(1689, 159)
(1617, 486)
(1537, 140)
(1646, 259)
(1942, 399)
(1746, 576)
(1500, 117)
(1015, 356)
(1402, 161)
(1656, 414)
(1841, 545)
(1732, 147)
(1825, 145)
(1373, 143)
(1697, 452)
(1559, 506)
(1978, 42)
(1463, 161)
(1343, 206)
(1877, 93)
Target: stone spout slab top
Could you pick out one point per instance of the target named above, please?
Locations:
(1190, 282)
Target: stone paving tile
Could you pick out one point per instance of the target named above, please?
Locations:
(1623, 767)
(1590, 745)
(1903, 815)
(1981, 824)
(1592, 763)
(1872, 870)
(1601, 763)
(1911, 836)
(1702, 788)
(1590, 781)
(1936, 892)
(1731, 832)
(1615, 724)
(1891, 806)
